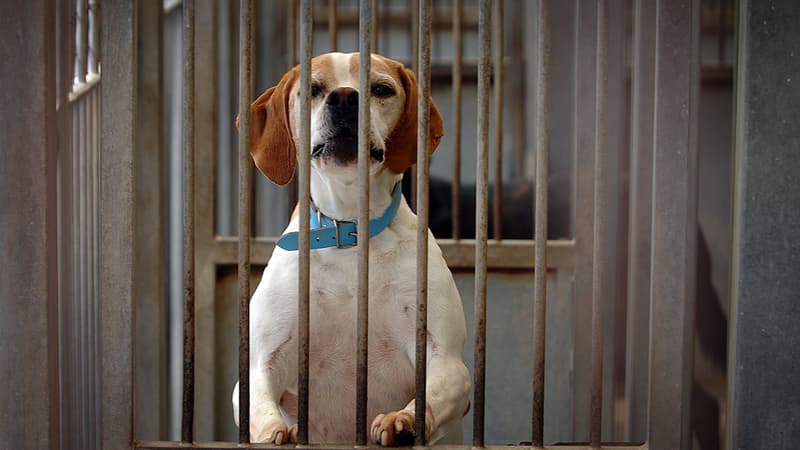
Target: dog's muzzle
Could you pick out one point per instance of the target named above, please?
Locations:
(341, 108)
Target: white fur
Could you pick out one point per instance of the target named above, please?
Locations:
(392, 313)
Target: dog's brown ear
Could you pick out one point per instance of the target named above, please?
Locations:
(271, 143)
(401, 147)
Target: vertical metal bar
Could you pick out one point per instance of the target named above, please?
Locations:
(764, 341)
(599, 248)
(245, 192)
(29, 397)
(585, 67)
(423, 173)
(540, 257)
(375, 18)
(187, 431)
(415, 18)
(497, 116)
(81, 37)
(481, 218)
(117, 199)
(94, 38)
(304, 194)
(333, 25)
(674, 223)
(81, 351)
(291, 30)
(641, 195)
(97, 419)
(366, 16)
(458, 50)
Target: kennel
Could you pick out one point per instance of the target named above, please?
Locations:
(86, 247)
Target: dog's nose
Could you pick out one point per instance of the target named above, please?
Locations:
(343, 98)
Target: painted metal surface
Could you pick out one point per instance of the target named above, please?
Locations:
(641, 195)
(674, 223)
(763, 345)
(117, 212)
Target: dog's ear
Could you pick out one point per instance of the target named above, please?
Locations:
(271, 143)
(401, 147)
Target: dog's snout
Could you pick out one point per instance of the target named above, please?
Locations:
(343, 98)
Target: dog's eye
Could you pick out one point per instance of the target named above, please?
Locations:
(382, 90)
(315, 90)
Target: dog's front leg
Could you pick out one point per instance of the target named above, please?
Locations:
(266, 420)
(447, 401)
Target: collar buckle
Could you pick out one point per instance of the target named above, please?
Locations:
(338, 226)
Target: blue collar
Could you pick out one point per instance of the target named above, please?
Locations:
(327, 232)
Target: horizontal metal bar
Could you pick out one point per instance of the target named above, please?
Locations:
(168, 445)
(509, 254)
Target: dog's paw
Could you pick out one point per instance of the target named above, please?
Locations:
(397, 428)
(273, 432)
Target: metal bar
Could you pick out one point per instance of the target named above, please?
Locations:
(81, 349)
(584, 141)
(497, 116)
(481, 219)
(415, 18)
(674, 223)
(304, 194)
(81, 38)
(510, 254)
(94, 38)
(150, 261)
(365, 41)
(763, 344)
(542, 86)
(291, 30)
(97, 405)
(187, 424)
(29, 397)
(333, 25)
(376, 21)
(423, 175)
(641, 195)
(599, 249)
(246, 11)
(165, 445)
(117, 200)
(458, 50)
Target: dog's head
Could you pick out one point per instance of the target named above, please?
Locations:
(275, 117)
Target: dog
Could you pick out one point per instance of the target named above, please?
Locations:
(274, 145)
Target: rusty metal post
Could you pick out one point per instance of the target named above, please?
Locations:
(187, 424)
(542, 131)
(458, 50)
(423, 175)
(245, 204)
(333, 25)
(362, 318)
(497, 116)
(481, 219)
(304, 194)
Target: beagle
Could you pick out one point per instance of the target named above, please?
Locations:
(392, 292)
